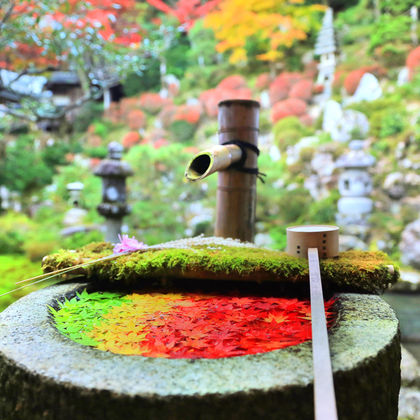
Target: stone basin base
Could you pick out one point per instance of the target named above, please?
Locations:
(44, 375)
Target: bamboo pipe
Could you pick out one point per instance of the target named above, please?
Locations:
(236, 191)
(214, 159)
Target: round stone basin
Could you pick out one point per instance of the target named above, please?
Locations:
(45, 375)
(186, 324)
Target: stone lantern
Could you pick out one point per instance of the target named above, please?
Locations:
(75, 191)
(355, 185)
(73, 219)
(325, 47)
(114, 205)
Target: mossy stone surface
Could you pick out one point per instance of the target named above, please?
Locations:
(44, 375)
(352, 271)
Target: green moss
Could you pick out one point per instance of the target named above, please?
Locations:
(351, 271)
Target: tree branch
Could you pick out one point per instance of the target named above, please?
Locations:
(78, 103)
(33, 72)
(19, 115)
(7, 15)
(19, 95)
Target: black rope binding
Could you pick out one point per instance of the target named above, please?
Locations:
(239, 165)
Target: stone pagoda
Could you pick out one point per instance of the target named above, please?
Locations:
(326, 47)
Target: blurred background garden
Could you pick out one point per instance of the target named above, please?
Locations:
(78, 75)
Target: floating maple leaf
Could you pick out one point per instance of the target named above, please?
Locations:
(193, 325)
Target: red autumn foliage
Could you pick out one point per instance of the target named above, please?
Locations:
(306, 119)
(186, 11)
(317, 89)
(302, 90)
(200, 326)
(211, 98)
(160, 143)
(130, 139)
(69, 157)
(288, 107)
(166, 115)
(263, 81)
(126, 105)
(173, 89)
(113, 113)
(311, 70)
(136, 119)
(94, 162)
(281, 85)
(156, 134)
(352, 80)
(278, 90)
(191, 150)
(152, 102)
(233, 82)
(106, 18)
(413, 61)
(189, 113)
(93, 140)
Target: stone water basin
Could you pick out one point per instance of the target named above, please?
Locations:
(46, 375)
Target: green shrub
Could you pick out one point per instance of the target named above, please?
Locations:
(91, 194)
(265, 123)
(102, 128)
(387, 123)
(146, 80)
(100, 152)
(203, 46)
(293, 204)
(14, 230)
(411, 90)
(80, 239)
(211, 129)
(322, 211)
(55, 154)
(279, 237)
(395, 7)
(176, 56)
(14, 268)
(380, 148)
(182, 131)
(369, 107)
(390, 29)
(23, 168)
(88, 113)
(197, 78)
(288, 131)
(357, 32)
(393, 123)
(35, 250)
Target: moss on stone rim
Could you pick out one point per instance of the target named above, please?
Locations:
(356, 271)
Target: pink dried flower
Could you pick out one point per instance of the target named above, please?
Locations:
(127, 244)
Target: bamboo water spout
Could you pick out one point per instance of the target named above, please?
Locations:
(235, 160)
(214, 159)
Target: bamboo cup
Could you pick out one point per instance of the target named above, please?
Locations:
(322, 237)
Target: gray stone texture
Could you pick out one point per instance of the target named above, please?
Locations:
(409, 402)
(410, 244)
(44, 375)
